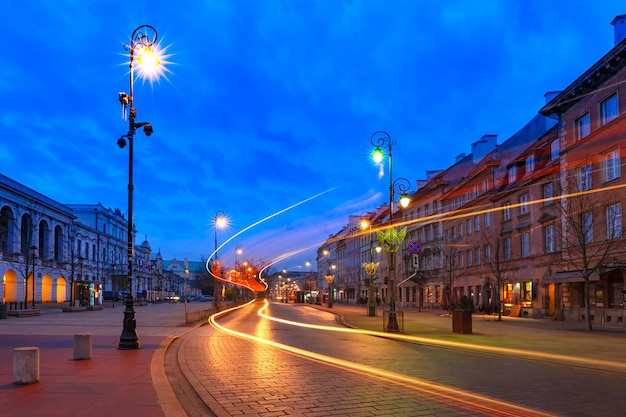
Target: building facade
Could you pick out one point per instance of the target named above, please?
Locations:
(53, 252)
(530, 227)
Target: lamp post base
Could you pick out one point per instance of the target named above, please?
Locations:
(393, 321)
(129, 339)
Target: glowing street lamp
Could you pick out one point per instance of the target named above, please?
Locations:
(219, 222)
(142, 44)
(370, 269)
(390, 238)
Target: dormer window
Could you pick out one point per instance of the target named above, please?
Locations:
(512, 174)
(530, 164)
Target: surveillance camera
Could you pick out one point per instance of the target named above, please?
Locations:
(123, 98)
(147, 129)
(121, 142)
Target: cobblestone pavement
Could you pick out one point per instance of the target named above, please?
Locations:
(233, 376)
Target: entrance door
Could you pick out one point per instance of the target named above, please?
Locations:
(551, 298)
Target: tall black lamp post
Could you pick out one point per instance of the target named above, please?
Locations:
(390, 238)
(141, 45)
(219, 222)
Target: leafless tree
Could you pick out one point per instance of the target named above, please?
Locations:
(497, 257)
(589, 231)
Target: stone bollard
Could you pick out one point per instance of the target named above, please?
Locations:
(82, 346)
(25, 365)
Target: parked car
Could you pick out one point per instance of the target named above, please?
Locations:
(110, 296)
(202, 297)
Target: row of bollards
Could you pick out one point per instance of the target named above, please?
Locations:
(26, 359)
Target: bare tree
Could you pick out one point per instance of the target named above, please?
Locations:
(497, 255)
(446, 257)
(587, 235)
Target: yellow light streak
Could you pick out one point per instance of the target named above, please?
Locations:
(485, 403)
(452, 344)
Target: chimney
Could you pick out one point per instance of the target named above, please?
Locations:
(460, 157)
(619, 28)
(482, 147)
(550, 95)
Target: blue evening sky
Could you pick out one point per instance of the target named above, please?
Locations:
(270, 102)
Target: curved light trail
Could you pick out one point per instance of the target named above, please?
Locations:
(251, 285)
(486, 405)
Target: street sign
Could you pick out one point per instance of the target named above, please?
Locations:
(414, 246)
(416, 261)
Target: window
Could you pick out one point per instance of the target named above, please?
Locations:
(487, 253)
(460, 229)
(525, 242)
(611, 165)
(512, 174)
(548, 193)
(608, 109)
(506, 213)
(469, 226)
(487, 219)
(583, 126)
(477, 256)
(584, 180)
(555, 148)
(587, 227)
(506, 246)
(549, 238)
(470, 257)
(614, 221)
(476, 223)
(530, 164)
(523, 201)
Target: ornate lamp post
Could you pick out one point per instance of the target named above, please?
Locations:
(370, 269)
(390, 238)
(309, 280)
(141, 44)
(329, 278)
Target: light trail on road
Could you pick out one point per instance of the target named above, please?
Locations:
(592, 363)
(441, 393)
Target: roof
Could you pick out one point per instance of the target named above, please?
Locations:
(589, 81)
